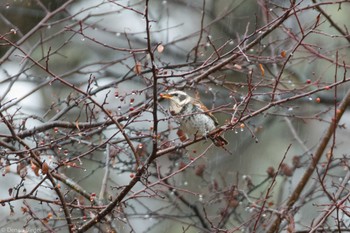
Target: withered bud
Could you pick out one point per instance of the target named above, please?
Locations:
(45, 168)
(296, 161)
(200, 170)
(270, 172)
(286, 170)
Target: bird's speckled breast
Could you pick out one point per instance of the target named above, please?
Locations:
(194, 122)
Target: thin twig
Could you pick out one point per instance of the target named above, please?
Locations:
(315, 159)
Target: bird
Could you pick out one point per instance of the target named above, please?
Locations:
(194, 117)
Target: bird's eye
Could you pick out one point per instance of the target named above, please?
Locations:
(175, 94)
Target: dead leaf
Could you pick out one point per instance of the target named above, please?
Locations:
(262, 69)
(138, 68)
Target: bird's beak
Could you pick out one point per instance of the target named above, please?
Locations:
(165, 96)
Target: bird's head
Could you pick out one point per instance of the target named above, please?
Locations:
(178, 99)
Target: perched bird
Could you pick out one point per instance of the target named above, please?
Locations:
(194, 117)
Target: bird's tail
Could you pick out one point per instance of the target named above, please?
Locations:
(219, 141)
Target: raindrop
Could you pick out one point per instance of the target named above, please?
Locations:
(146, 216)
(164, 2)
(200, 198)
(290, 109)
(185, 183)
(231, 42)
(82, 39)
(118, 34)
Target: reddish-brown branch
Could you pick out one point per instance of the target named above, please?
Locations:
(140, 170)
(48, 16)
(269, 190)
(196, 48)
(37, 160)
(314, 162)
(332, 22)
(88, 138)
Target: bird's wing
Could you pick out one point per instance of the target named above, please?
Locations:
(205, 110)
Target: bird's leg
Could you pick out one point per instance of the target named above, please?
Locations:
(205, 135)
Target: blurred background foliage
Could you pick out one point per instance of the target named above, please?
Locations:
(101, 48)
